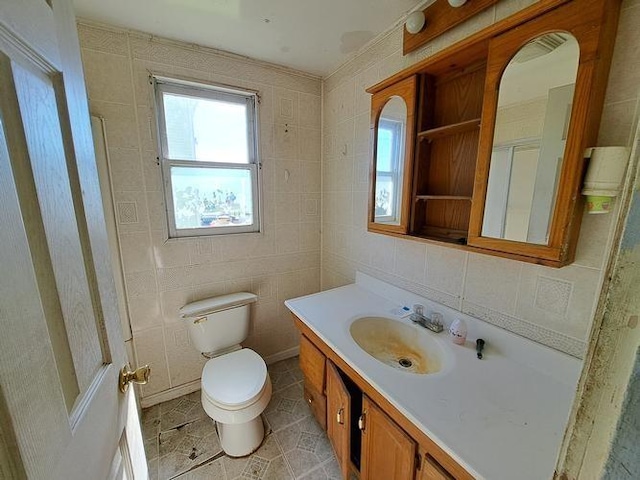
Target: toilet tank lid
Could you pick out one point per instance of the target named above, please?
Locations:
(215, 304)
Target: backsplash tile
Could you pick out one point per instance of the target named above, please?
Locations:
(553, 295)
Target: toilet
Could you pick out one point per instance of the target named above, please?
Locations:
(235, 383)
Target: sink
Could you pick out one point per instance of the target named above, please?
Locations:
(398, 345)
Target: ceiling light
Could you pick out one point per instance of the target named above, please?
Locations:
(457, 3)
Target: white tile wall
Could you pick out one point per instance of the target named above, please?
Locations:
(552, 306)
(161, 276)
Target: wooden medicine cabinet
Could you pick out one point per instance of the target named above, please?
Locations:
(502, 119)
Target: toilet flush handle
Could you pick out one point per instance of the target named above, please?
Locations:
(199, 320)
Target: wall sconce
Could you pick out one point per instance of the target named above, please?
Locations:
(415, 22)
(603, 181)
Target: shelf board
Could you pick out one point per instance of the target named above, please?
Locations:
(442, 197)
(448, 235)
(447, 130)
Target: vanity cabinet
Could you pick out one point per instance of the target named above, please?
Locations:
(313, 364)
(372, 440)
(502, 122)
(388, 453)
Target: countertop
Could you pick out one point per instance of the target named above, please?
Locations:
(500, 418)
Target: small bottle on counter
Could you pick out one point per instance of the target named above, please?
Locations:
(458, 331)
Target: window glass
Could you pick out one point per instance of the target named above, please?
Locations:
(209, 159)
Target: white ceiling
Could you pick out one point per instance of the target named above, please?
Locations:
(311, 35)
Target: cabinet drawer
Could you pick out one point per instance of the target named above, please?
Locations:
(312, 364)
(318, 404)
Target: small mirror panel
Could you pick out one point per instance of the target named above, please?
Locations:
(390, 151)
(532, 120)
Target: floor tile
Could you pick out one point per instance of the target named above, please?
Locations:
(287, 406)
(184, 447)
(209, 471)
(181, 441)
(305, 446)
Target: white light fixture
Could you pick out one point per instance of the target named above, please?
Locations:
(457, 3)
(415, 22)
(604, 177)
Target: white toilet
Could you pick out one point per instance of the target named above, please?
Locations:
(235, 384)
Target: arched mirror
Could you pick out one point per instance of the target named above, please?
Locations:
(532, 120)
(390, 149)
(392, 124)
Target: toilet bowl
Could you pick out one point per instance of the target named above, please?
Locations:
(236, 387)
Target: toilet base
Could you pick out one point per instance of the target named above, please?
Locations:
(241, 439)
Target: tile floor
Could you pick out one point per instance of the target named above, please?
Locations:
(181, 440)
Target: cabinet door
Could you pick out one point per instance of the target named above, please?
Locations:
(312, 362)
(432, 470)
(388, 453)
(338, 417)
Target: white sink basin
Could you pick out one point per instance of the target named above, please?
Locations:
(398, 345)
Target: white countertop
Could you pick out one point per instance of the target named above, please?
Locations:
(501, 418)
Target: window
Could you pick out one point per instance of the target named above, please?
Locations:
(389, 169)
(209, 158)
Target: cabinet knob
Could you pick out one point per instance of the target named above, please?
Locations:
(310, 400)
(361, 421)
(339, 418)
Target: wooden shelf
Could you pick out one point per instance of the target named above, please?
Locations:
(451, 129)
(448, 235)
(442, 197)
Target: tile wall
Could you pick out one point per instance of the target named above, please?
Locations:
(160, 275)
(552, 306)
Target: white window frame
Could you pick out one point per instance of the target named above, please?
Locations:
(214, 92)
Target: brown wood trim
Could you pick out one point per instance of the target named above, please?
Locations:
(427, 444)
(440, 17)
(407, 90)
(473, 249)
(470, 48)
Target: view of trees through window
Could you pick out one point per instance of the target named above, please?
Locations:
(201, 133)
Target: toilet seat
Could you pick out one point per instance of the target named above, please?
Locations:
(235, 380)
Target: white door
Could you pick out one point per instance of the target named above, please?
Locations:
(61, 348)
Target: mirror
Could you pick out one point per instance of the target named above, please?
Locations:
(532, 120)
(390, 151)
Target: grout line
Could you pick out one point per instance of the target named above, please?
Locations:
(208, 461)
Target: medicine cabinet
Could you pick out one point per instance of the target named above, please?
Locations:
(494, 158)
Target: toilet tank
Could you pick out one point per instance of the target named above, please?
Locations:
(218, 323)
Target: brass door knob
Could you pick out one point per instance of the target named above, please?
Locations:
(139, 375)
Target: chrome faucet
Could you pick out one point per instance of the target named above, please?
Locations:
(433, 324)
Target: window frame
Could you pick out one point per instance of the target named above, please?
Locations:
(209, 91)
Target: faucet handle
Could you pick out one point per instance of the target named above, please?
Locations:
(418, 309)
(436, 318)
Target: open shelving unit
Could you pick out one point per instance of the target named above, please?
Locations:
(448, 127)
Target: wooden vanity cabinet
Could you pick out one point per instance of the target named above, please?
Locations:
(371, 439)
(339, 418)
(388, 453)
(313, 364)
